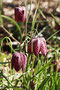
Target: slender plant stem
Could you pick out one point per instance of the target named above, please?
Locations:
(9, 34)
(25, 27)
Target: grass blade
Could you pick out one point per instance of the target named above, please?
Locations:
(13, 21)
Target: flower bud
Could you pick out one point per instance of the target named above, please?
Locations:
(39, 45)
(19, 61)
(20, 14)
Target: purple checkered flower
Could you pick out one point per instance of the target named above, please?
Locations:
(20, 14)
(19, 61)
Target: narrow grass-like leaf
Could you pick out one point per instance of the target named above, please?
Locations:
(45, 28)
(34, 18)
(1, 20)
(40, 11)
(55, 18)
(10, 44)
(53, 35)
(14, 22)
(4, 62)
(43, 83)
(1, 74)
(46, 65)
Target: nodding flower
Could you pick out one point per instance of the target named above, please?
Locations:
(39, 45)
(20, 14)
(19, 61)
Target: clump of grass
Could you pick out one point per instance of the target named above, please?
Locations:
(37, 75)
